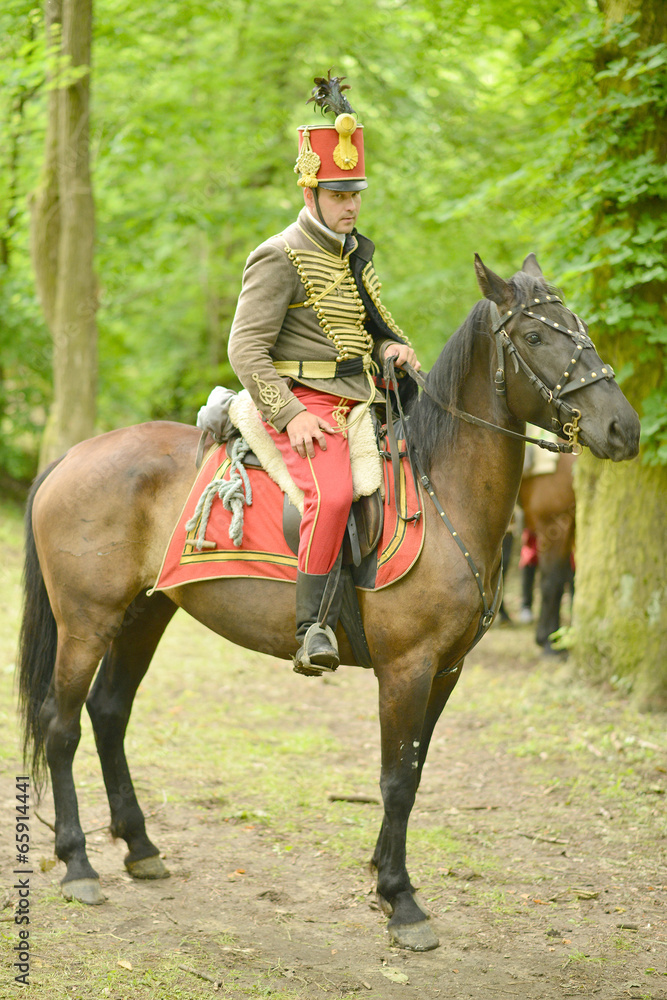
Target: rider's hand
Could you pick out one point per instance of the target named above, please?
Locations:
(306, 428)
(402, 353)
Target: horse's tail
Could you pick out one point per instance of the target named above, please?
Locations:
(38, 640)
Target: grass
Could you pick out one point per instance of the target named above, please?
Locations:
(235, 742)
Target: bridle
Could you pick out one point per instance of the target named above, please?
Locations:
(565, 421)
(567, 417)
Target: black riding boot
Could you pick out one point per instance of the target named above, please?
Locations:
(318, 649)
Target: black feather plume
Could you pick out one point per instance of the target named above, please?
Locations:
(328, 94)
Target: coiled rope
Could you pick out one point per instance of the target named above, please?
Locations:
(234, 494)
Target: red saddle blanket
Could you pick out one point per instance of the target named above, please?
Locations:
(264, 551)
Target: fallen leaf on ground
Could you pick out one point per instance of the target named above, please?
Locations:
(395, 976)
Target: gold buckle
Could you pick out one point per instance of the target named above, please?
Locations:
(571, 431)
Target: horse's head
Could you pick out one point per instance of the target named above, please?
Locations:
(549, 368)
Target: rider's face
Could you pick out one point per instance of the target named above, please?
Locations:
(339, 208)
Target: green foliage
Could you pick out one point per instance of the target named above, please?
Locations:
(24, 344)
(495, 127)
(610, 167)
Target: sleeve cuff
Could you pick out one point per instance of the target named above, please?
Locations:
(287, 413)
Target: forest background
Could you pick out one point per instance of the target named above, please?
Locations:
(498, 127)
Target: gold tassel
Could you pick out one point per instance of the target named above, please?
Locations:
(307, 163)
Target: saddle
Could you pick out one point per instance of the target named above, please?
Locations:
(228, 415)
(240, 418)
(364, 524)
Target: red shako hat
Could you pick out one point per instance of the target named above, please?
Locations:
(332, 156)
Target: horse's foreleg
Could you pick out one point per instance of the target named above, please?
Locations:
(404, 707)
(109, 705)
(441, 689)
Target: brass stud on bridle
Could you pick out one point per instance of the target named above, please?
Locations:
(567, 383)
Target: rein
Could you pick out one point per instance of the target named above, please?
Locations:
(489, 610)
(567, 383)
(566, 420)
(469, 418)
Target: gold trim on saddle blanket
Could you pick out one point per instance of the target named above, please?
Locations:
(400, 546)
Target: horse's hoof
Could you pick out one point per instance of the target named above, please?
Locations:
(413, 937)
(83, 890)
(148, 868)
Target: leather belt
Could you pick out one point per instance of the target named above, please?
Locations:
(324, 369)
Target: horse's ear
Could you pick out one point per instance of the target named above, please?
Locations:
(491, 285)
(531, 267)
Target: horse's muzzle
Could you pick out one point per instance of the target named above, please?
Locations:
(621, 441)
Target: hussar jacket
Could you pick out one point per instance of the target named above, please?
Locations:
(308, 297)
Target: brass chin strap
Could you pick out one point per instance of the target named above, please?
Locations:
(317, 206)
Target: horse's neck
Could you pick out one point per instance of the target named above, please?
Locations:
(479, 480)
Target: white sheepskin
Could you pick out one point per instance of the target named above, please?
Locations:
(365, 460)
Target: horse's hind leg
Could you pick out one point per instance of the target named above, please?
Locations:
(60, 721)
(109, 705)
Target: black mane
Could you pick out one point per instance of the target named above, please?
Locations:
(432, 429)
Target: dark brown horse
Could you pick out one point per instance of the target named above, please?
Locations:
(100, 520)
(549, 512)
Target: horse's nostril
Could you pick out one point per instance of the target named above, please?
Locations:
(624, 436)
(620, 432)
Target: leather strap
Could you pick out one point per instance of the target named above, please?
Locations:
(330, 588)
(489, 610)
(200, 449)
(469, 418)
(392, 385)
(324, 369)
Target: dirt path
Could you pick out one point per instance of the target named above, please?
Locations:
(538, 840)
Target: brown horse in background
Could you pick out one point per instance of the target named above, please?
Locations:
(99, 521)
(548, 504)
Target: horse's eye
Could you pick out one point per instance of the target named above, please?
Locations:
(533, 338)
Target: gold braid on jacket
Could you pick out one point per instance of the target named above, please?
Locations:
(333, 294)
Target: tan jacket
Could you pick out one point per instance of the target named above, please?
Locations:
(271, 323)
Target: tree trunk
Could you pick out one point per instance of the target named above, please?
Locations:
(620, 607)
(45, 202)
(620, 620)
(63, 234)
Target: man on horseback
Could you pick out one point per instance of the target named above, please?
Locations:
(309, 335)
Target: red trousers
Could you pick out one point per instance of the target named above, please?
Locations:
(326, 481)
